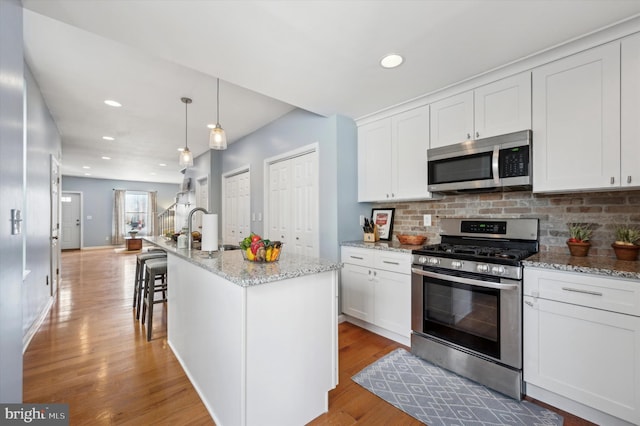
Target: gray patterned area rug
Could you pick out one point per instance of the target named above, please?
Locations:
(438, 397)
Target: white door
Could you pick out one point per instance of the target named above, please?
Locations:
(236, 220)
(305, 204)
(71, 221)
(292, 203)
(55, 225)
(244, 206)
(280, 202)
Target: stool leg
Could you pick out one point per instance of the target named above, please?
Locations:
(145, 297)
(150, 296)
(141, 287)
(135, 283)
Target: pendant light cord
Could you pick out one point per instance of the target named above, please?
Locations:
(186, 125)
(218, 103)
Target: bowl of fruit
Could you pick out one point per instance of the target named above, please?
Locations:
(256, 249)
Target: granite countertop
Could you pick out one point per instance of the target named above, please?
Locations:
(231, 266)
(598, 265)
(382, 245)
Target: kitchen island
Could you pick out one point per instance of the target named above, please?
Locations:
(258, 341)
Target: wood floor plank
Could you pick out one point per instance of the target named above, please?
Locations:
(92, 354)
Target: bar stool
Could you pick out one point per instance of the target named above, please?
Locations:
(156, 269)
(139, 277)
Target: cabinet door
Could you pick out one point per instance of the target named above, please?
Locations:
(588, 355)
(452, 120)
(374, 161)
(630, 119)
(357, 292)
(409, 154)
(392, 301)
(576, 121)
(503, 107)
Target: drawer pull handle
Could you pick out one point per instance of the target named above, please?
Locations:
(391, 263)
(575, 290)
(529, 303)
(356, 257)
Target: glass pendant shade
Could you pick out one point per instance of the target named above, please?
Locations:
(217, 138)
(186, 157)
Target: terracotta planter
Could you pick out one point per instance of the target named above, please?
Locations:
(626, 252)
(579, 249)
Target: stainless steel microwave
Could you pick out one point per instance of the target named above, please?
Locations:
(496, 163)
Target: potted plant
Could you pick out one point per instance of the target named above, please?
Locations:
(579, 235)
(625, 245)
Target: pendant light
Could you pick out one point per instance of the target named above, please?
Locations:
(217, 137)
(186, 156)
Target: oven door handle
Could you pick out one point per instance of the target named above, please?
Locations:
(470, 281)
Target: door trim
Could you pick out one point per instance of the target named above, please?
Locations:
(298, 152)
(55, 205)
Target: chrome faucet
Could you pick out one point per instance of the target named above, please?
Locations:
(189, 238)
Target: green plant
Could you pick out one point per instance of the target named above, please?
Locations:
(579, 232)
(627, 235)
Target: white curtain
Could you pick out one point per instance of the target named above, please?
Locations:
(153, 212)
(117, 229)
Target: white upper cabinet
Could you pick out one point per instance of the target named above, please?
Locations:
(497, 108)
(392, 157)
(452, 120)
(630, 113)
(576, 121)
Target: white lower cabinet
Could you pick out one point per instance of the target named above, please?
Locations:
(376, 289)
(582, 344)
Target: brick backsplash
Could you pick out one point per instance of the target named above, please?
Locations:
(605, 210)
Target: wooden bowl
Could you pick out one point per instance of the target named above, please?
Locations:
(411, 240)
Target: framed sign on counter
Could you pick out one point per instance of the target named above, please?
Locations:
(383, 219)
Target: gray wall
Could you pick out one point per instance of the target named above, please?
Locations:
(97, 200)
(11, 194)
(43, 141)
(337, 140)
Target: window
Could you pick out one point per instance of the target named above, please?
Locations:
(136, 212)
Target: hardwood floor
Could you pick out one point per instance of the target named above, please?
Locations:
(92, 354)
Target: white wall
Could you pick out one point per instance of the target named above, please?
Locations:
(43, 140)
(11, 194)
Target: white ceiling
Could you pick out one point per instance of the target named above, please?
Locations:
(271, 56)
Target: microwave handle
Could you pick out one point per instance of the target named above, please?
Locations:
(495, 165)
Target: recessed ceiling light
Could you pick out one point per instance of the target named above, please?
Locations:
(180, 149)
(162, 165)
(87, 174)
(211, 126)
(86, 167)
(108, 138)
(391, 61)
(113, 103)
(106, 158)
(152, 173)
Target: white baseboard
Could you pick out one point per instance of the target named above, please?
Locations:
(403, 340)
(573, 407)
(26, 339)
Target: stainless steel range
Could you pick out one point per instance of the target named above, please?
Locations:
(466, 299)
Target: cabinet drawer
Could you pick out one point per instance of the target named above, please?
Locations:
(393, 262)
(599, 292)
(357, 256)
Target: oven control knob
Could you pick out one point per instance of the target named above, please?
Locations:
(499, 270)
(457, 264)
(483, 267)
(422, 259)
(434, 261)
